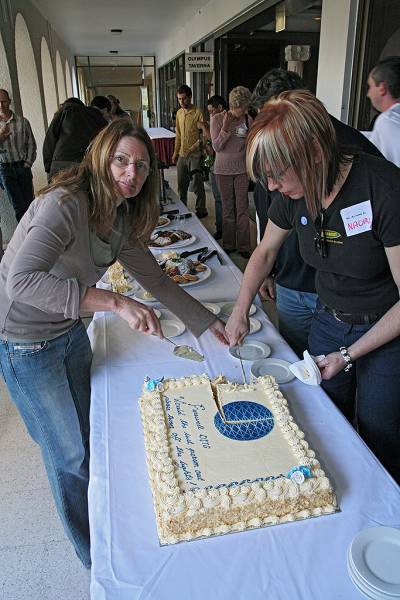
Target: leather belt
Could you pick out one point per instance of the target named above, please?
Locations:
(354, 319)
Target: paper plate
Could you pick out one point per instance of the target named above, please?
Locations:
(255, 325)
(212, 307)
(227, 307)
(273, 366)
(141, 295)
(250, 350)
(171, 328)
(179, 244)
(375, 556)
(162, 222)
(202, 276)
(157, 312)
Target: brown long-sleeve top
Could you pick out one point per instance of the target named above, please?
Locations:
(49, 264)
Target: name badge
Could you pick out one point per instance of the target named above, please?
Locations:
(357, 218)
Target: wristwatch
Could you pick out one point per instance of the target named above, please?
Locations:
(346, 357)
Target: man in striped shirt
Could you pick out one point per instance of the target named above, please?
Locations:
(17, 153)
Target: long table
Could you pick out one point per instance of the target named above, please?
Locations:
(164, 142)
(304, 560)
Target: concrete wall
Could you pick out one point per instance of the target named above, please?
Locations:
(336, 54)
(207, 18)
(21, 73)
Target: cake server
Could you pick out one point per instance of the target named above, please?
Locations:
(184, 351)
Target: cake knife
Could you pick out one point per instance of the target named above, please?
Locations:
(241, 364)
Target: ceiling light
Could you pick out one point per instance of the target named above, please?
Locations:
(316, 18)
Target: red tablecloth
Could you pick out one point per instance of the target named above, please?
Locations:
(163, 142)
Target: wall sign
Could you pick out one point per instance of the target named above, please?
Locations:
(202, 62)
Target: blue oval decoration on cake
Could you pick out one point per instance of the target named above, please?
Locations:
(249, 421)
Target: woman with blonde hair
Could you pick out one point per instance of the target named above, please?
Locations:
(228, 134)
(345, 211)
(97, 212)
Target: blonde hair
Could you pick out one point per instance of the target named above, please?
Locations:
(239, 96)
(295, 130)
(94, 175)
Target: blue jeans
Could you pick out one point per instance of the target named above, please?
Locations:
(49, 382)
(218, 202)
(16, 180)
(295, 313)
(375, 377)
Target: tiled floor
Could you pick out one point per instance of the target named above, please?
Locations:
(37, 562)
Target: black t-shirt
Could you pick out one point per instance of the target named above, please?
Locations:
(355, 276)
(290, 270)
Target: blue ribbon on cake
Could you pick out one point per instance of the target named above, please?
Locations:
(299, 474)
(154, 384)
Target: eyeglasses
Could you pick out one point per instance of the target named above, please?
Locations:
(123, 162)
(320, 242)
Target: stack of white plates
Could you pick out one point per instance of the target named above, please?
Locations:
(373, 562)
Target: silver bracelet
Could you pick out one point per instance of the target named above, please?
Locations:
(346, 357)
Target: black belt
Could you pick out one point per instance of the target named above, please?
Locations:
(17, 163)
(358, 319)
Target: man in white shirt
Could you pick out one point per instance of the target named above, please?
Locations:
(384, 93)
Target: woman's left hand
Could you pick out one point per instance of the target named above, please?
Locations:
(331, 365)
(218, 329)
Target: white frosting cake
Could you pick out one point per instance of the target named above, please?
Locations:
(225, 457)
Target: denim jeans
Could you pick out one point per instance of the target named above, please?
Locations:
(295, 313)
(16, 180)
(375, 377)
(49, 382)
(218, 202)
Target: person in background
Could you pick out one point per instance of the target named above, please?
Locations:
(17, 154)
(101, 210)
(292, 283)
(116, 110)
(345, 208)
(187, 153)
(215, 105)
(384, 94)
(103, 105)
(73, 127)
(228, 134)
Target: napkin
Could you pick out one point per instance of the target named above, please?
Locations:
(306, 370)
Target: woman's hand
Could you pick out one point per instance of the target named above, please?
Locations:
(237, 327)
(218, 329)
(227, 121)
(331, 365)
(267, 289)
(139, 317)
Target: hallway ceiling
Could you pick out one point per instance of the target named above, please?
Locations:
(84, 25)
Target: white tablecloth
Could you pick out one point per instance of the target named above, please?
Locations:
(156, 133)
(305, 560)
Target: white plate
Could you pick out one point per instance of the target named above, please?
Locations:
(212, 307)
(179, 244)
(362, 586)
(162, 222)
(140, 295)
(202, 276)
(251, 350)
(375, 557)
(172, 328)
(255, 325)
(273, 366)
(157, 312)
(227, 307)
